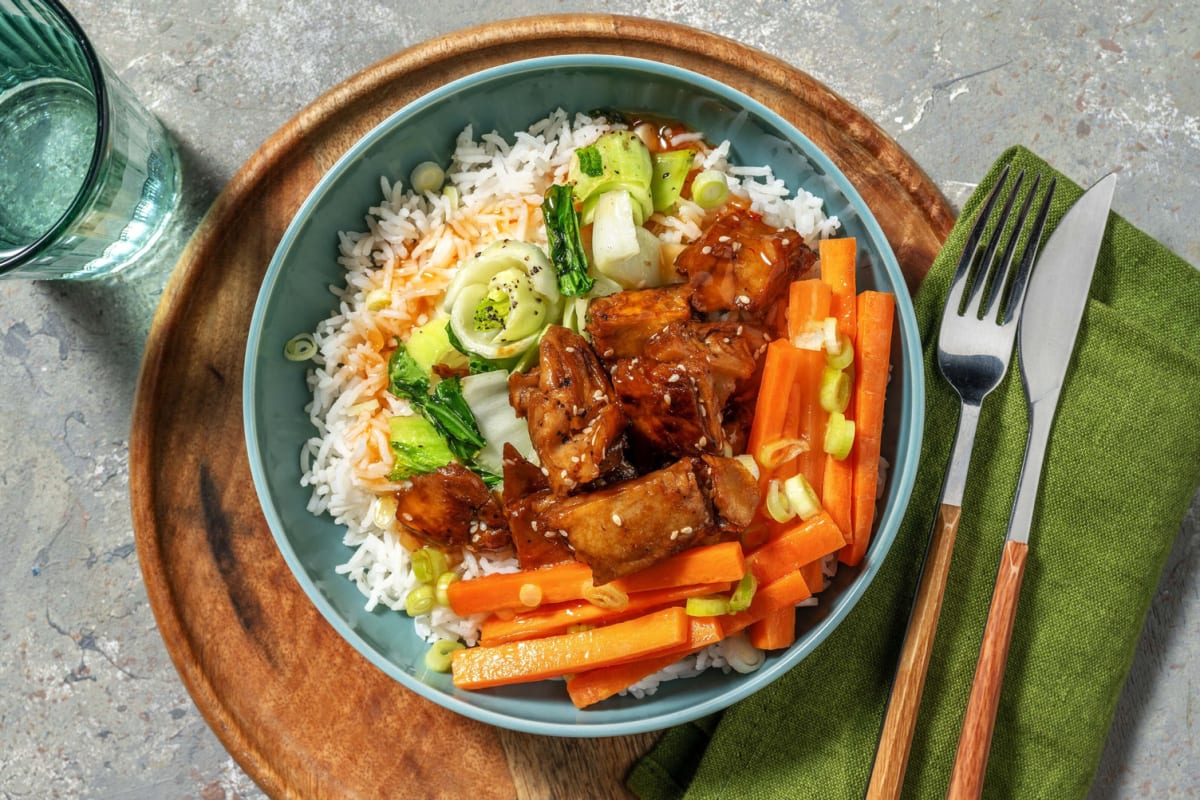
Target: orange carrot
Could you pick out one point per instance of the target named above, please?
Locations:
(814, 575)
(718, 563)
(713, 563)
(555, 619)
(837, 487)
(775, 631)
(552, 656)
(809, 301)
(810, 419)
(586, 688)
(802, 543)
(771, 407)
(838, 261)
(595, 685)
(872, 354)
(498, 592)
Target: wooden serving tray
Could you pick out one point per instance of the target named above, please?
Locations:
(299, 709)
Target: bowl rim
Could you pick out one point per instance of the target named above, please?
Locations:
(887, 525)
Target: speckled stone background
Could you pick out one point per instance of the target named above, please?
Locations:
(90, 705)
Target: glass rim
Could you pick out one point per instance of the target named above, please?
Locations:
(14, 259)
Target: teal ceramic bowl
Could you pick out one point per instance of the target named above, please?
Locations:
(294, 297)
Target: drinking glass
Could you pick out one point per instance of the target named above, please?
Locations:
(89, 179)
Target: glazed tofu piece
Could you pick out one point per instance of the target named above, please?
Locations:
(452, 507)
(620, 324)
(634, 524)
(743, 264)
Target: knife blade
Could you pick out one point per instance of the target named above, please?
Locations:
(1055, 299)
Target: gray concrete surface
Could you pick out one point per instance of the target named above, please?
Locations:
(90, 705)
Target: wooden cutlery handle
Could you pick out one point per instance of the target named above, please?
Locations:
(970, 762)
(891, 758)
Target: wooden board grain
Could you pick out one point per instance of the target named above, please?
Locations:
(302, 712)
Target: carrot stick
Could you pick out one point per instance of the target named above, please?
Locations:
(808, 301)
(811, 419)
(838, 261)
(803, 543)
(552, 656)
(497, 592)
(713, 563)
(775, 631)
(587, 688)
(562, 583)
(555, 619)
(595, 685)
(771, 406)
(872, 354)
(814, 575)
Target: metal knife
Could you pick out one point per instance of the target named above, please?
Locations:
(1054, 304)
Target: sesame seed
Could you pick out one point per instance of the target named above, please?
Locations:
(742, 300)
(703, 441)
(569, 349)
(674, 378)
(706, 249)
(546, 472)
(674, 535)
(534, 524)
(722, 239)
(407, 517)
(685, 530)
(616, 520)
(609, 353)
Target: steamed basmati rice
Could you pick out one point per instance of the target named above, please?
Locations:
(410, 247)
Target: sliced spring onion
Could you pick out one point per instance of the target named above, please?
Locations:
(451, 195)
(427, 177)
(710, 188)
(801, 497)
(777, 503)
(845, 355)
(428, 564)
(743, 593)
(439, 655)
(606, 596)
(835, 390)
(709, 606)
(419, 601)
(833, 342)
(300, 347)
(530, 595)
(781, 451)
(839, 436)
(441, 590)
(378, 299)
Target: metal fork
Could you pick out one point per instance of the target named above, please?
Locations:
(975, 345)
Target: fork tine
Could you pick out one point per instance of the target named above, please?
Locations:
(1004, 273)
(969, 249)
(986, 270)
(1016, 297)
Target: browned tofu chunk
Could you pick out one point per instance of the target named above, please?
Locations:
(526, 494)
(741, 263)
(575, 423)
(676, 394)
(450, 508)
(634, 524)
(621, 323)
(731, 488)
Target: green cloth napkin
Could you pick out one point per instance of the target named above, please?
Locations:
(1123, 464)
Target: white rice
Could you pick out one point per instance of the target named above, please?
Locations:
(410, 245)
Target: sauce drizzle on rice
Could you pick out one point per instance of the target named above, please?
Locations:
(410, 249)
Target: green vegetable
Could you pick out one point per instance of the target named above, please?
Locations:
(743, 593)
(625, 164)
(711, 606)
(590, 163)
(430, 344)
(300, 347)
(441, 589)
(445, 407)
(839, 436)
(427, 177)
(502, 298)
(428, 563)
(417, 446)
(566, 248)
(476, 364)
(835, 389)
(621, 249)
(437, 658)
(670, 171)
(419, 601)
(710, 189)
